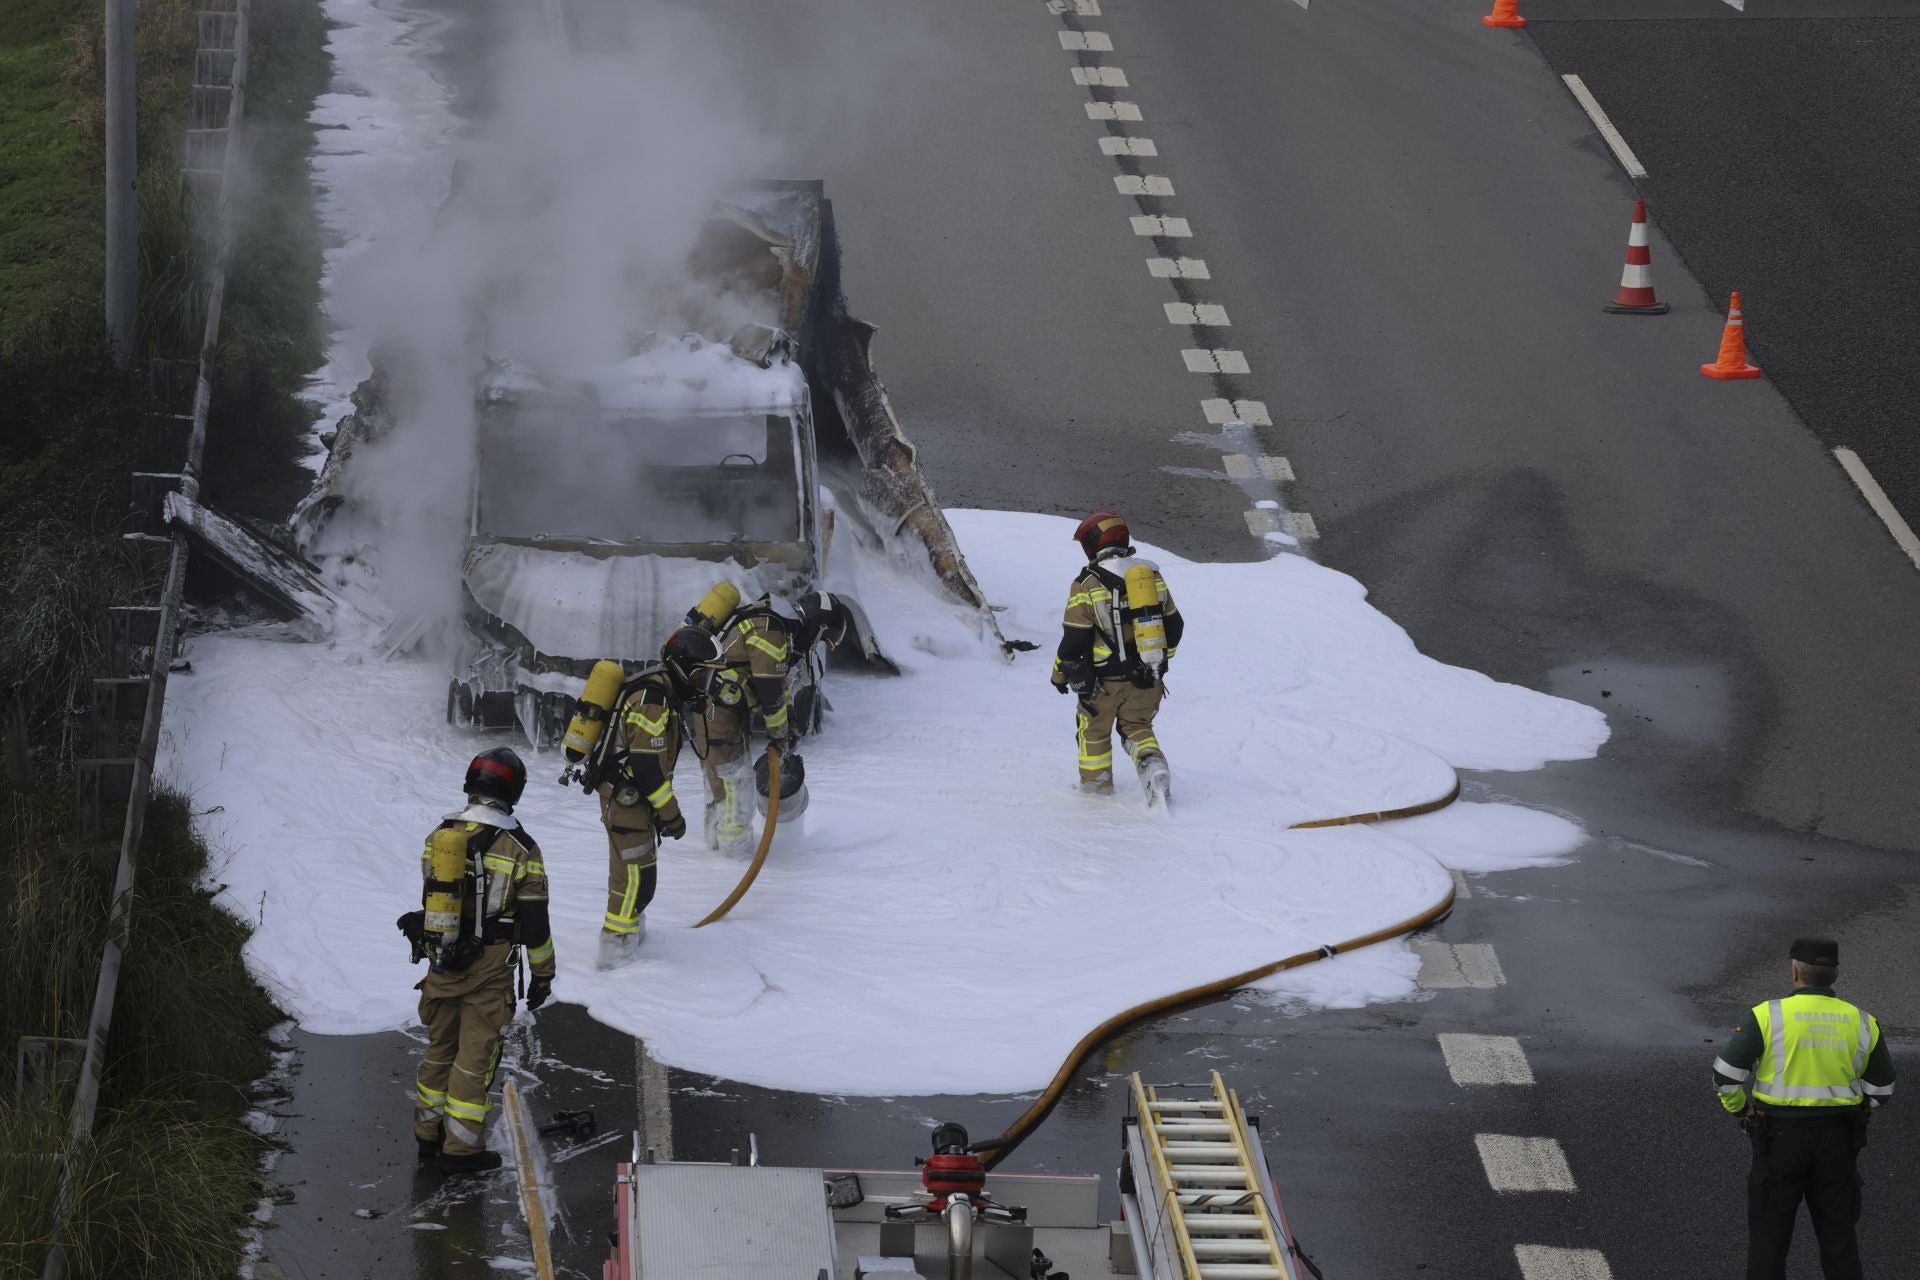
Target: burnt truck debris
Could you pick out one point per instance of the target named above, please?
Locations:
(602, 505)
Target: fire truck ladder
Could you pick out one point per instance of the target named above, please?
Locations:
(1202, 1204)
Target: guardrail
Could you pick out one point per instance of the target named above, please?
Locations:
(217, 111)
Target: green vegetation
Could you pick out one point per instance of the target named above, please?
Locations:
(172, 1170)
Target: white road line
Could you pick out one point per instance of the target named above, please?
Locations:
(1523, 1164)
(1214, 360)
(1265, 467)
(1485, 1059)
(1113, 111)
(1087, 41)
(1100, 77)
(1545, 1262)
(1741, 5)
(1621, 151)
(1877, 499)
(1081, 8)
(1445, 966)
(1179, 269)
(1128, 147)
(654, 1103)
(1174, 228)
(1251, 412)
(1461, 889)
(1294, 526)
(1148, 184)
(1197, 313)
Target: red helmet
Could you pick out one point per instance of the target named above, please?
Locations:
(1101, 530)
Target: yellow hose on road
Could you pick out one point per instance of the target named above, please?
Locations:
(766, 840)
(1030, 1119)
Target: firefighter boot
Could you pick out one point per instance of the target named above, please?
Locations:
(618, 949)
(1099, 783)
(1155, 778)
(471, 1162)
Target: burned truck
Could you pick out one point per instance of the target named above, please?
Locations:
(604, 504)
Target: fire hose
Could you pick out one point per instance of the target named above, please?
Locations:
(766, 840)
(997, 1150)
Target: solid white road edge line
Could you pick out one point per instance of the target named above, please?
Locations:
(1523, 1164)
(1621, 151)
(1877, 499)
(1545, 1262)
(1476, 1059)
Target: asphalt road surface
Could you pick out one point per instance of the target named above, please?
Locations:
(1411, 226)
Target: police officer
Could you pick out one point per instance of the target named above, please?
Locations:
(1803, 1073)
(466, 1000)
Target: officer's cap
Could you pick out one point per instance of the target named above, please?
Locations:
(1821, 951)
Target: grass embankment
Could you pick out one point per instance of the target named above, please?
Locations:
(172, 1170)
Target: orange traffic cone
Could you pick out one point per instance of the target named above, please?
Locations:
(1733, 348)
(1636, 278)
(1506, 13)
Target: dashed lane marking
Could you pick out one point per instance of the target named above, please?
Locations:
(1172, 228)
(1180, 269)
(1128, 147)
(1113, 111)
(1192, 313)
(654, 1103)
(1252, 412)
(1473, 1059)
(1523, 1164)
(1087, 41)
(1266, 518)
(1214, 361)
(1877, 499)
(1148, 184)
(1242, 466)
(1100, 77)
(1081, 8)
(1447, 965)
(1461, 889)
(1545, 1262)
(1621, 151)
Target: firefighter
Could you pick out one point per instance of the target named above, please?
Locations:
(486, 898)
(637, 804)
(1114, 652)
(1816, 1067)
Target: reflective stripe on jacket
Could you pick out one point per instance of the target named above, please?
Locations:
(1806, 1050)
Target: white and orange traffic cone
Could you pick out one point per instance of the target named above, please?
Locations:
(1506, 13)
(1733, 348)
(1636, 278)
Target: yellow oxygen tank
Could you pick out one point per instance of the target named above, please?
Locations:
(591, 712)
(716, 606)
(446, 859)
(1149, 626)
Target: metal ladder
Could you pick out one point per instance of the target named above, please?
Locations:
(1204, 1171)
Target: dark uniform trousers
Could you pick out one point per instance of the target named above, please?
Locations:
(1811, 1159)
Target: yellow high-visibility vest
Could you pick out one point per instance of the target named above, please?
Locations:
(1816, 1049)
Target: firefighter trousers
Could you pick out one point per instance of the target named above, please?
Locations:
(1116, 702)
(633, 853)
(465, 1014)
(1811, 1160)
(720, 739)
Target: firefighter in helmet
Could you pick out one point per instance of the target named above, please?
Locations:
(1121, 630)
(485, 898)
(760, 643)
(637, 804)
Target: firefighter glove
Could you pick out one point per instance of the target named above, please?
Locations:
(672, 828)
(413, 926)
(537, 992)
(1060, 687)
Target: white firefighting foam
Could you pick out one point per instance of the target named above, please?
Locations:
(956, 915)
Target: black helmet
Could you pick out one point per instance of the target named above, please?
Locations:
(689, 656)
(497, 775)
(823, 617)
